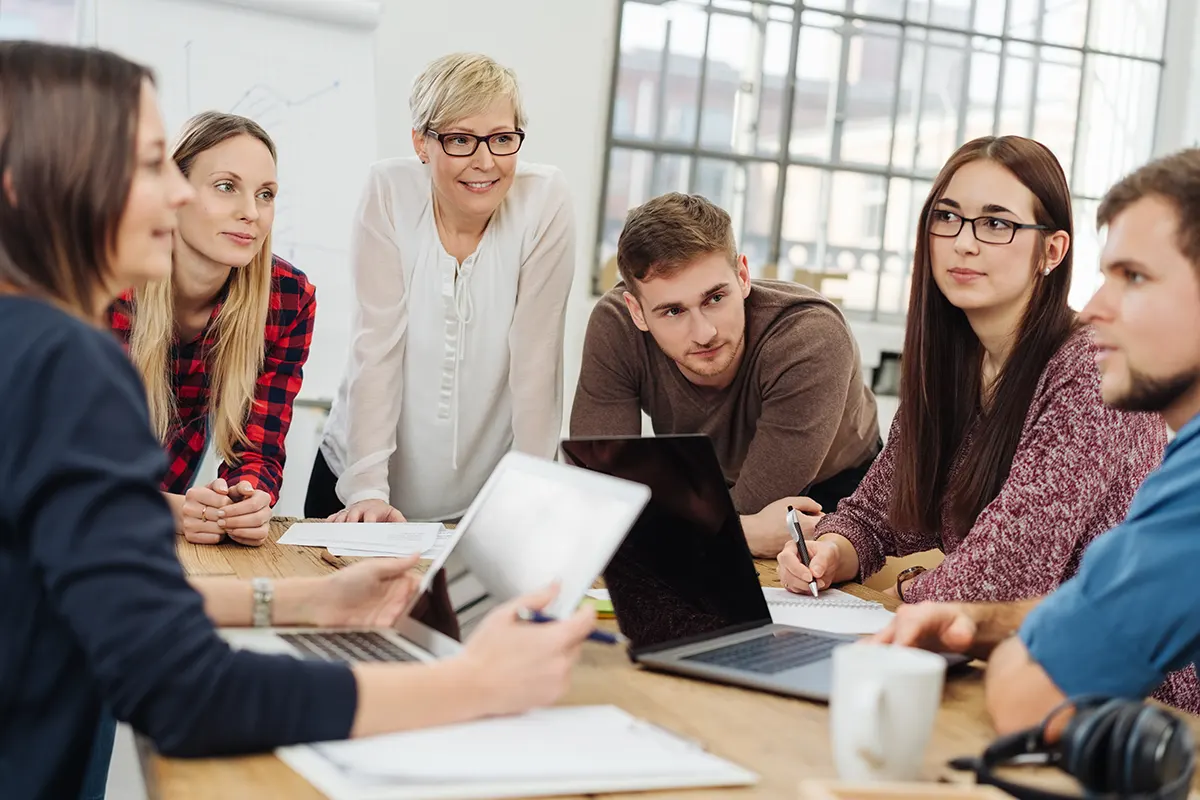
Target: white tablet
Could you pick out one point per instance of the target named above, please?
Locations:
(536, 521)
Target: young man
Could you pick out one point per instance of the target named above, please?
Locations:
(1130, 615)
(771, 372)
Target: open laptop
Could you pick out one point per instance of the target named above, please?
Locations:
(683, 584)
(533, 521)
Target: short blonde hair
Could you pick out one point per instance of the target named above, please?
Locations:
(461, 85)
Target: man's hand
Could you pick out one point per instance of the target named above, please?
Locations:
(367, 511)
(767, 531)
(247, 519)
(941, 627)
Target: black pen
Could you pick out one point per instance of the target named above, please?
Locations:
(798, 538)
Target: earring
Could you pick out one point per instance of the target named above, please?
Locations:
(1046, 272)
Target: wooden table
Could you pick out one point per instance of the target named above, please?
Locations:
(784, 740)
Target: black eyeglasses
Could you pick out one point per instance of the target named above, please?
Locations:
(460, 145)
(990, 230)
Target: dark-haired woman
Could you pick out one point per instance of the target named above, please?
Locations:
(1002, 454)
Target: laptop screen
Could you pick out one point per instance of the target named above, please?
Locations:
(684, 570)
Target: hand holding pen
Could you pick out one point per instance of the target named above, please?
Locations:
(603, 637)
(801, 547)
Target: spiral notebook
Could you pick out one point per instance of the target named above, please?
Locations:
(832, 610)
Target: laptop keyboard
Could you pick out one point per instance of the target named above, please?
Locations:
(351, 646)
(775, 652)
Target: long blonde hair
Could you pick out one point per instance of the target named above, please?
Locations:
(236, 358)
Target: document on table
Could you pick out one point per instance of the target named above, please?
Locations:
(370, 538)
(552, 751)
(832, 611)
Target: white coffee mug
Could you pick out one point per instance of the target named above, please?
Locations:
(882, 708)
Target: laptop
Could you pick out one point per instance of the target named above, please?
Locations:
(683, 585)
(534, 521)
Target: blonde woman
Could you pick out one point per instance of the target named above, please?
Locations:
(221, 344)
(462, 263)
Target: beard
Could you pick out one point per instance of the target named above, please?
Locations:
(1155, 394)
(709, 368)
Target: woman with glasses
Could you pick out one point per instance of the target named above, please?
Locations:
(462, 263)
(1002, 454)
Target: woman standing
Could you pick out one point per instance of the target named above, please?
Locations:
(221, 344)
(1002, 453)
(463, 261)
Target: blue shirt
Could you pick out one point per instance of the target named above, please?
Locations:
(94, 606)
(1132, 612)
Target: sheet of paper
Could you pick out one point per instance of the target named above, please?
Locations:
(553, 743)
(833, 611)
(598, 594)
(374, 538)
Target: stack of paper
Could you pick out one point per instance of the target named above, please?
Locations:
(371, 538)
(553, 751)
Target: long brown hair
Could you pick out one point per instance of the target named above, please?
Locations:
(941, 368)
(68, 136)
(237, 356)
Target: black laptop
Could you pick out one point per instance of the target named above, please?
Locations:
(683, 583)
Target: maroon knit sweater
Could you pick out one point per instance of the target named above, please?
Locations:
(1075, 471)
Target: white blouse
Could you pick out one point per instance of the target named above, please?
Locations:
(447, 374)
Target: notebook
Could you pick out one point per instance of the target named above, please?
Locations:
(552, 751)
(833, 611)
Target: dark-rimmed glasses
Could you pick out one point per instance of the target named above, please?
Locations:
(989, 230)
(461, 145)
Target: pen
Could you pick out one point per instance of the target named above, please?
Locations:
(798, 538)
(596, 636)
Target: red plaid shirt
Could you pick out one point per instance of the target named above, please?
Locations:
(288, 336)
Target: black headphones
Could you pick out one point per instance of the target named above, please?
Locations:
(1113, 747)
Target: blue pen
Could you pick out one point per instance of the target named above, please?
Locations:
(596, 636)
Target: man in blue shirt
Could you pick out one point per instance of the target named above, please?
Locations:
(1131, 615)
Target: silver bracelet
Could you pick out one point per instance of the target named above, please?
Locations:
(264, 594)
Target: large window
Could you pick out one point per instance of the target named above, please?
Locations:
(819, 124)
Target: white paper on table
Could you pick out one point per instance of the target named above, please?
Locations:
(562, 743)
(832, 611)
(375, 538)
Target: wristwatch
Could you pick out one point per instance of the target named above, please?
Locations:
(264, 595)
(906, 575)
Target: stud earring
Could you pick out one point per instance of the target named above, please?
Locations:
(1046, 272)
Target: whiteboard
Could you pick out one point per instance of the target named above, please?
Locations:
(305, 71)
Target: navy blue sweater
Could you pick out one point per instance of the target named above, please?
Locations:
(94, 607)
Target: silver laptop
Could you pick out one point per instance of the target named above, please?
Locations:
(683, 584)
(534, 521)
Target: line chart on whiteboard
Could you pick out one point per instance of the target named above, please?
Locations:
(276, 111)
